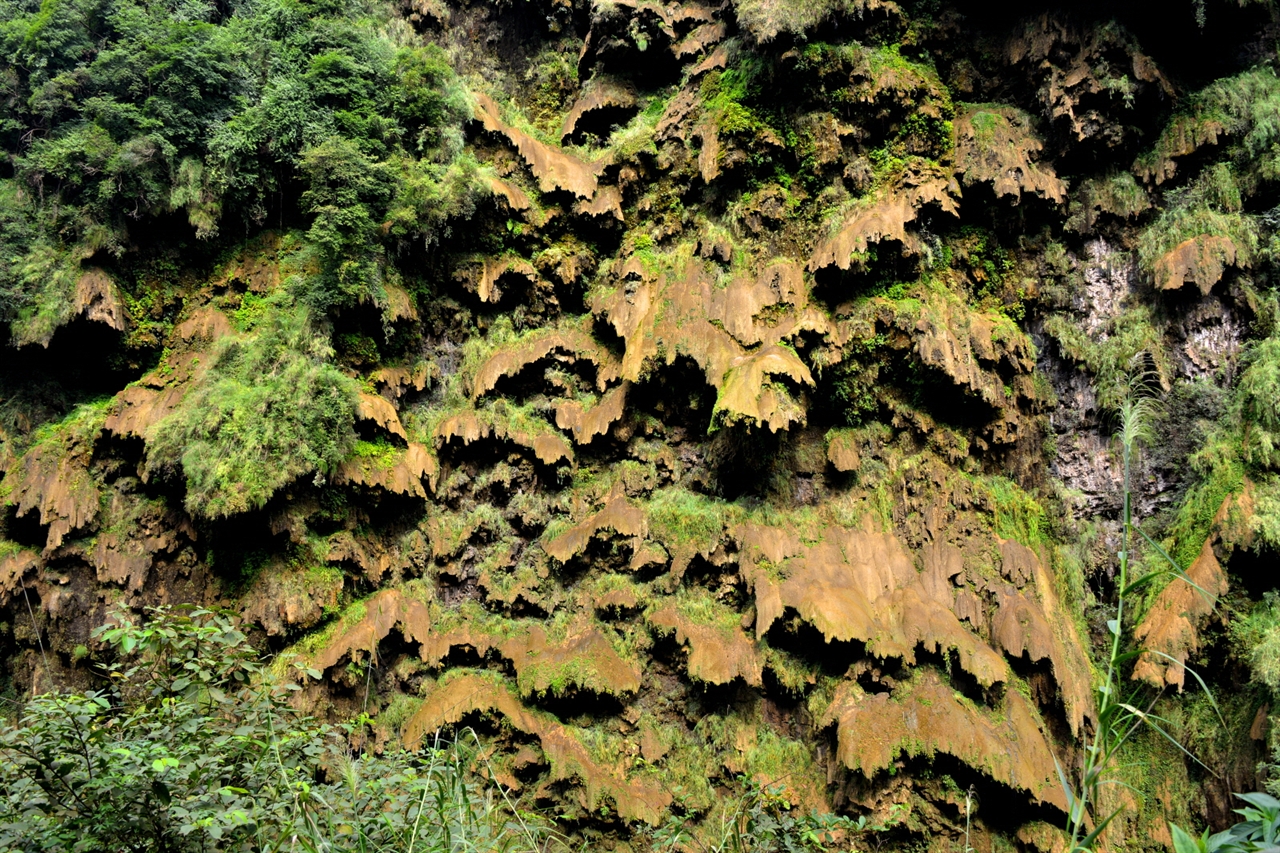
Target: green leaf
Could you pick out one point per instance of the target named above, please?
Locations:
(1143, 582)
(1184, 842)
(1088, 841)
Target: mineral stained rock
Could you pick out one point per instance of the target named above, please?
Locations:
(743, 414)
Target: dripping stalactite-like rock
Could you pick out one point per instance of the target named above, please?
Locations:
(680, 395)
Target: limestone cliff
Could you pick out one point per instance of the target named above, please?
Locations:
(752, 419)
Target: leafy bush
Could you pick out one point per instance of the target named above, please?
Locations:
(187, 107)
(270, 409)
(1245, 109)
(195, 747)
(1260, 830)
(1256, 637)
(1243, 444)
(349, 190)
(118, 113)
(1120, 715)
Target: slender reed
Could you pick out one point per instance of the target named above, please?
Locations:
(1119, 716)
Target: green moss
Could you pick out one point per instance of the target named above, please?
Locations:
(1117, 194)
(1016, 514)
(1154, 772)
(541, 676)
(1246, 107)
(700, 607)
(397, 712)
(931, 135)
(977, 253)
(985, 125)
(379, 453)
(723, 95)
(793, 673)
(48, 275)
(473, 616)
(9, 548)
(1183, 222)
(82, 425)
(1222, 475)
(612, 583)
(527, 584)
(270, 409)
(552, 77)
(856, 380)
(1242, 444)
(357, 350)
(152, 304)
(450, 530)
(314, 641)
(681, 519)
(1111, 358)
(75, 435)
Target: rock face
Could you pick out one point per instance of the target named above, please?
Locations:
(754, 422)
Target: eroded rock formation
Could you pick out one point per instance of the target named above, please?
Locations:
(753, 424)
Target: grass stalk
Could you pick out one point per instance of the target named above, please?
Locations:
(1119, 716)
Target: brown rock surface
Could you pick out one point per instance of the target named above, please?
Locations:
(997, 145)
(1200, 261)
(52, 480)
(384, 610)
(927, 717)
(553, 168)
(618, 514)
(861, 585)
(97, 301)
(570, 342)
(569, 760)
(407, 471)
(718, 653)
(379, 410)
(587, 423)
(885, 216)
(600, 93)
(470, 426)
(1171, 626)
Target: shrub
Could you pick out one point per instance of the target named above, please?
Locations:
(195, 747)
(220, 112)
(1120, 715)
(762, 819)
(349, 192)
(1259, 831)
(1258, 396)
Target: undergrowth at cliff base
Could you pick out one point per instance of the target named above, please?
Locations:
(194, 746)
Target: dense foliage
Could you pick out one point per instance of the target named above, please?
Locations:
(120, 116)
(195, 747)
(116, 114)
(1260, 830)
